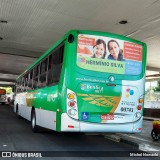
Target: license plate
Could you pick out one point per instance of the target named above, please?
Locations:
(107, 117)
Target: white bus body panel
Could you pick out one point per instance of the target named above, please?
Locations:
(44, 118)
(79, 126)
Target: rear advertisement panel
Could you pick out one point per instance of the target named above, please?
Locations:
(110, 55)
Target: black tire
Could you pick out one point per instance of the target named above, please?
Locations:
(154, 134)
(33, 122)
(17, 112)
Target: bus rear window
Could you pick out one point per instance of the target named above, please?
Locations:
(110, 55)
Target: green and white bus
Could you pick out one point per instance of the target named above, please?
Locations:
(71, 89)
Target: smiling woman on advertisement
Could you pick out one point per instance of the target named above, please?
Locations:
(99, 50)
(115, 52)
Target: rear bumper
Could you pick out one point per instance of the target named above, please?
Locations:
(70, 125)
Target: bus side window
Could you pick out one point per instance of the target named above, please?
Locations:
(55, 65)
(43, 70)
(26, 82)
(22, 84)
(49, 74)
(18, 86)
(30, 80)
(35, 79)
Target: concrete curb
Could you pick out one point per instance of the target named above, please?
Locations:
(151, 118)
(140, 146)
(129, 142)
(117, 138)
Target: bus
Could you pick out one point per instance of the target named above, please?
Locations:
(80, 85)
(2, 96)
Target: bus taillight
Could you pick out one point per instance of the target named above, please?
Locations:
(71, 96)
(71, 103)
(138, 115)
(72, 112)
(140, 100)
(70, 126)
(72, 108)
(139, 107)
(139, 129)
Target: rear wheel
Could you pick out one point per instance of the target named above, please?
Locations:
(154, 134)
(17, 112)
(33, 122)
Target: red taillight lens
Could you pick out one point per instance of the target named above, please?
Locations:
(139, 107)
(71, 103)
(139, 129)
(70, 126)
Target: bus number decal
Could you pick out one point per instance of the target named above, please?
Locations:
(51, 98)
(125, 109)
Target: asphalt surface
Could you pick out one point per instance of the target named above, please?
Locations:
(16, 136)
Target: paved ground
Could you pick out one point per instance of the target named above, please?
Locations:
(142, 140)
